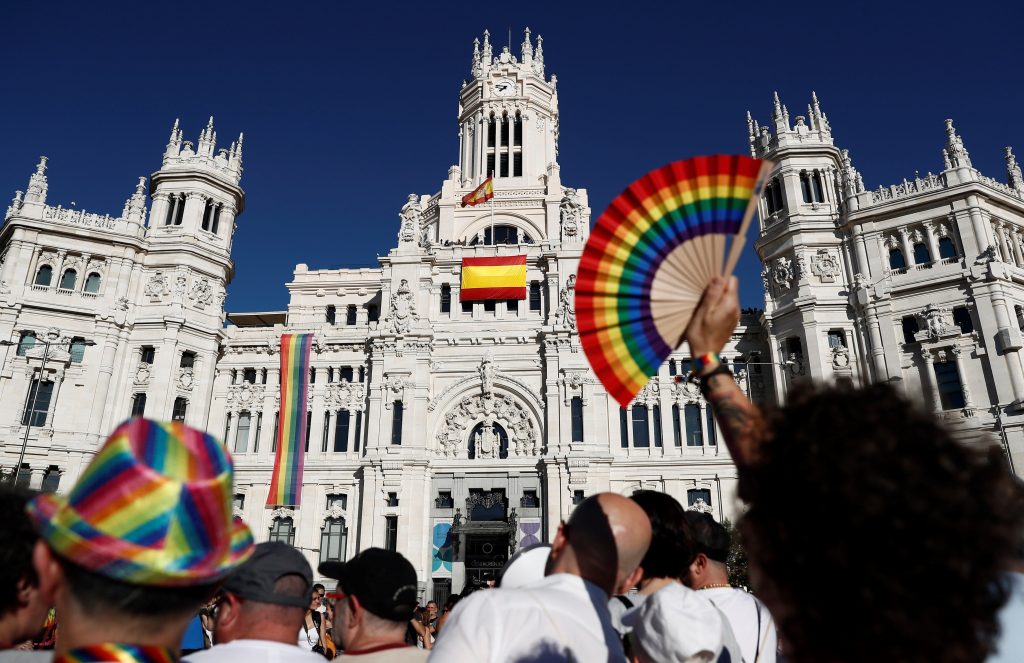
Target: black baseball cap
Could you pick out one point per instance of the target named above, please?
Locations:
(383, 581)
(271, 561)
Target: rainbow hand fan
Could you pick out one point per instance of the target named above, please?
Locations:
(649, 258)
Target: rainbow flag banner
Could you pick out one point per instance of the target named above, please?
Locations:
(500, 277)
(286, 484)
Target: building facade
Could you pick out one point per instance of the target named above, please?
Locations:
(456, 432)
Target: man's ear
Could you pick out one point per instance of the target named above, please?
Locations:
(630, 581)
(49, 572)
(355, 609)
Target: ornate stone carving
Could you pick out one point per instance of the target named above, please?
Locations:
(157, 286)
(510, 413)
(201, 293)
(571, 212)
(572, 385)
(281, 512)
(825, 265)
(345, 396)
(685, 391)
(782, 273)
(402, 316)
(121, 304)
(937, 324)
(412, 217)
(244, 396)
(393, 388)
(955, 150)
(333, 512)
(650, 393)
(142, 373)
(180, 284)
(700, 506)
(565, 314)
(186, 378)
(840, 357)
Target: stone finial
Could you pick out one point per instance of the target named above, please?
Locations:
(538, 57)
(776, 105)
(849, 177)
(1013, 174)
(955, 150)
(135, 207)
(15, 205)
(175, 133)
(780, 115)
(37, 183)
(527, 48)
(488, 53)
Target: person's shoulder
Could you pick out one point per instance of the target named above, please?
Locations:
(253, 650)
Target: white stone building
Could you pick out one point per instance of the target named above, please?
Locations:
(455, 432)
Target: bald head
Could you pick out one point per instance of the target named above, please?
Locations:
(603, 542)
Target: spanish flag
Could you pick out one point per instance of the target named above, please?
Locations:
(501, 277)
(481, 194)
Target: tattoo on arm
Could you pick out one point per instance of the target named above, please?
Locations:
(741, 421)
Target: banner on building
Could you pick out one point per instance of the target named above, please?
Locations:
(443, 549)
(286, 483)
(498, 277)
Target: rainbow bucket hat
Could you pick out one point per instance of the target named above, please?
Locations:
(152, 508)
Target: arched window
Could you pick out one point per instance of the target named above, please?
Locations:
(92, 282)
(576, 412)
(492, 440)
(503, 234)
(333, 540)
(773, 196)
(211, 216)
(44, 275)
(504, 147)
(26, 342)
(946, 248)
(896, 259)
(805, 186)
(283, 529)
(68, 279)
(921, 256)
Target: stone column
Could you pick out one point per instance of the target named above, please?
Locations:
(933, 241)
(981, 232)
(481, 147)
(498, 146)
(332, 417)
(1014, 239)
(930, 383)
(861, 252)
(875, 338)
(704, 438)
(908, 250)
(229, 442)
(35, 481)
(1008, 343)
(961, 368)
(1004, 250)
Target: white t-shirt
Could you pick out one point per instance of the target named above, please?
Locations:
(558, 618)
(744, 611)
(254, 651)
(403, 654)
(1010, 646)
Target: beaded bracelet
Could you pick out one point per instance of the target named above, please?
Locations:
(705, 362)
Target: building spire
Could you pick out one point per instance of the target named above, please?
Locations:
(955, 150)
(135, 206)
(37, 183)
(207, 140)
(527, 48)
(780, 115)
(1013, 174)
(488, 53)
(538, 57)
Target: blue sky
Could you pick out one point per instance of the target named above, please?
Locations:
(348, 107)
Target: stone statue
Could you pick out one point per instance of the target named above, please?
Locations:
(571, 210)
(566, 312)
(487, 374)
(411, 215)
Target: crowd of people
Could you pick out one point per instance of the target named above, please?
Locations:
(872, 535)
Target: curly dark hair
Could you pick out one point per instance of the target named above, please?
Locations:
(876, 535)
(16, 551)
(672, 548)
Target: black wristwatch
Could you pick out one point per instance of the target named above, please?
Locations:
(721, 369)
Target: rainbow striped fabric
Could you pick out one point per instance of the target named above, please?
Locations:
(117, 653)
(496, 277)
(286, 483)
(671, 223)
(152, 508)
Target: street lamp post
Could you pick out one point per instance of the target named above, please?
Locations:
(52, 338)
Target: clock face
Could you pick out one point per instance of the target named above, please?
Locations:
(505, 87)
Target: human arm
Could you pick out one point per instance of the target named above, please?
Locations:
(711, 326)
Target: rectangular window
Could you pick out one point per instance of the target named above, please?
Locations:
(712, 440)
(446, 298)
(180, 407)
(489, 305)
(259, 428)
(836, 338)
(333, 540)
(671, 366)
(350, 315)
(39, 403)
(26, 342)
(238, 501)
(391, 533)
(962, 319)
(326, 437)
(577, 419)
(677, 428)
(341, 431)
(517, 163)
(339, 500)
(283, 529)
(372, 313)
(51, 480)
(467, 307)
(530, 500)
(139, 405)
(188, 360)
(695, 494)
(309, 429)
(794, 346)
(578, 496)
(148, 354)
(249, 375)
(534, 296)
(444, 500)
(623, 428)
(694, 433)
(685, 366)
(641, 434)
(951, 394)
(490, 163)
(910, 327)
(273, 440)
(656, 413)
(77, 350)
(396, 423)
(359, 424)
(441, 589)
(242, 433)
(346, 373)
(504, 164)
(512, 306)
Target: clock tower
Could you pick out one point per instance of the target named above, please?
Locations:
(508, 115)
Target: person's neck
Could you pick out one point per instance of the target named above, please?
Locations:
(11, 629)
(80, 627)
(714, 577)
(270, 632)
(370, 640)
(650, 585)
